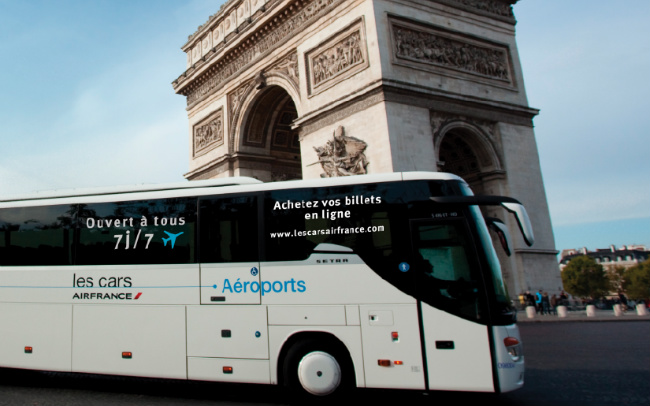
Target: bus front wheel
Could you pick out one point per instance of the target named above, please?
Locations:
(317, 369)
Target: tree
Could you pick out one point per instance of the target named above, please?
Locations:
(616, 278)
(585, 278)
(637, 281)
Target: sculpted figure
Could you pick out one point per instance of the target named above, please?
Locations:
(342, 155)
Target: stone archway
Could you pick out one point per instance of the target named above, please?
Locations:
(464, 150)
(267, 136)
(458, 157)
(390, 74)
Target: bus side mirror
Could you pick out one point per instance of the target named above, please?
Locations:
(501, 231)
(522, 220)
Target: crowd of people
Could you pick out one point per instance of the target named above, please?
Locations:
(548, 305)
(542, 302)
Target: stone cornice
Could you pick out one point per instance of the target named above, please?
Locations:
(407, 93)
(498, 9)
(223, 14)
(436, 95)
(219, 48)
(228, 160)
(291, 20)
(213, 21)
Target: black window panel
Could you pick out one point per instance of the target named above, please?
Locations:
(370, 219)
(229, 229)
(291, 232)
(159, 231)
(298, 220)
(447, 270)
(384, 251)
(40, 235)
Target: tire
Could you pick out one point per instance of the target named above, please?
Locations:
(317, 369)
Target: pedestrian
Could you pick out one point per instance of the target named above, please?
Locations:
(546, 305)
(538, 301)
(564, 298)
(554, 300)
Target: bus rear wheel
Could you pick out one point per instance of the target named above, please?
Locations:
(316, 369)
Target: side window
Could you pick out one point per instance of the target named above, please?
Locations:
(37, 235)
(448, 275)
(443, 249)
(160, 231)
(357, 217)
(228, 229)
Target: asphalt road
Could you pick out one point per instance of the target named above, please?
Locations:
(576, 363)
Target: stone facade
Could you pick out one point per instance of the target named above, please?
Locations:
(276, 88)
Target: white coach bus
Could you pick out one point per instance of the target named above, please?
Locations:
(375, 281)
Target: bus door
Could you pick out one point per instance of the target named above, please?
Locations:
(453, 311)
(228, 251)
(228, 331)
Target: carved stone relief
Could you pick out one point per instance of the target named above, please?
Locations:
(342, 156)
(208, 133)
(287, 67)
(272, 35)
(338, 58)
(420, 46)
(235, 100)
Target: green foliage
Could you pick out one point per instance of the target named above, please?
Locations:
(585, 278)
(637, 281)
(616, 278)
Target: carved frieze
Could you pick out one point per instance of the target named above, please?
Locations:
(208, 133)
(338, 58)
(431, 48)
(268, 37)
(342, 156)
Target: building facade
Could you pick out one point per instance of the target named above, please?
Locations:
(610, 258)
(286, 89)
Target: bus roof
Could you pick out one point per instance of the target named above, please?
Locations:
(205, 187)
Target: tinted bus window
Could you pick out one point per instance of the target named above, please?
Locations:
(158, 231)
(370, 219)
(298, 220)
(448, 273)
(229, 229)
(37, 235)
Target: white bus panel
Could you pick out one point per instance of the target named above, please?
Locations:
(35, 336)
(130, 340)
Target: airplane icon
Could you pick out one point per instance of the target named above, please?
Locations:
(172, 238)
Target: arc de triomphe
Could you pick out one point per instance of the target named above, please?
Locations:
(286, 89)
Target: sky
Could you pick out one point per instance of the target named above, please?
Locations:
(87, 101)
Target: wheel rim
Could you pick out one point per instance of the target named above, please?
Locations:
(319, 373)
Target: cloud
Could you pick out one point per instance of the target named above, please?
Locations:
(138, 159)
(577, 202)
